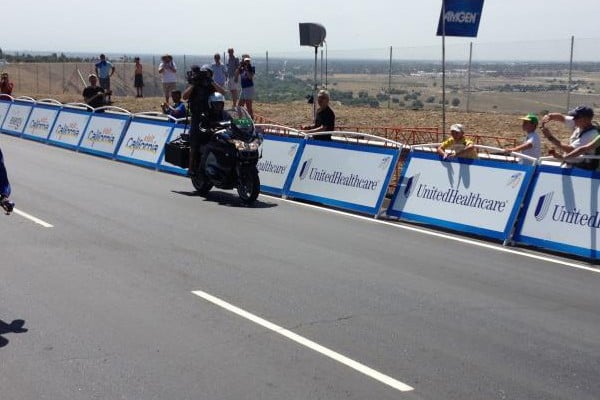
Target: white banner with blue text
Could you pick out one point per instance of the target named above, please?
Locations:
(480, 197)
(144, 141)
(103, 133)
(16, 118)
(163, 165)
(278, 155)
(563, 211)
(69, 127)
(41, 120)
(348, 176)
(4, 106)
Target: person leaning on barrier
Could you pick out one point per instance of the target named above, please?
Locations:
(583, 141)
(531, 146)
(458, 143)
(324, 119)
(177, 109)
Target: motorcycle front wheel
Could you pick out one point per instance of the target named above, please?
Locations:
(201, 183)
(249, 185)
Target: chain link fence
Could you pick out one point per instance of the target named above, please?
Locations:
(501, 77)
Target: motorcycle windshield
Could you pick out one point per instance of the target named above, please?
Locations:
(242, 125)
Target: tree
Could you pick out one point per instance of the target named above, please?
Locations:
(455, 102)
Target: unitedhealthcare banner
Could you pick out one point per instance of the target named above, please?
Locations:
(144, 141)
(103, 133)
(481, 197)
(343, 175)
(16, 117)
(40, 122)
(563, 212)
(462, 18)
(278, 156)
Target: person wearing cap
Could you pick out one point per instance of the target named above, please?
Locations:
(93, 95)
(104, 70)
(458, 144)
(168, 75)
(6, 86)
(583, 141)
(246, 73)
(532, 146)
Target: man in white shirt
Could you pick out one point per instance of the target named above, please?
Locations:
(168, 75)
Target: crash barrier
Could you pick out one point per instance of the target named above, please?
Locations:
(536, 205)
(562, 211)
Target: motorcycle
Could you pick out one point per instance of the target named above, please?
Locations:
(229, 158)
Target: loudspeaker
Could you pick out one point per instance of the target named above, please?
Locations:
(311, 34)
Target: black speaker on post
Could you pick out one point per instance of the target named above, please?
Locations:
(312, 34)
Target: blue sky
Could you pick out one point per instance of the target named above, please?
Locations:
(258, 26)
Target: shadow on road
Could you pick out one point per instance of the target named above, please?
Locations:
(226, 199)
(14, 327)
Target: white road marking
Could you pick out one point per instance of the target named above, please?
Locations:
(32, 218)
(307, 343)
(448, 236)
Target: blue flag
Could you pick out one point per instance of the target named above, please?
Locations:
(462, 18)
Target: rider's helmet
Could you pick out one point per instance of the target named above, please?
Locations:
(216, 101)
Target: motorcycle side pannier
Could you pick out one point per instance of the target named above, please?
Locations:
(177, 152)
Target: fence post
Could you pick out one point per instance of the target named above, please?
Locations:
(469, 75)
(570, 75)
(390, 81)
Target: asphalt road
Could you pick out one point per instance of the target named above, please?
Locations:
(114, 301)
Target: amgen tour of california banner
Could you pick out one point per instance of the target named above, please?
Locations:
(40, 122)
(103, 133)
(68, 128)
(144, 142)
(16, 118)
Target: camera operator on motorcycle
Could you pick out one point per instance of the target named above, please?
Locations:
(201, 86)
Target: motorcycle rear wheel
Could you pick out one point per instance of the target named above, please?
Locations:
(249, 185)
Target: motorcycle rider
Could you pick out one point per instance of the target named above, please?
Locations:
(216, 110)
(201, 86)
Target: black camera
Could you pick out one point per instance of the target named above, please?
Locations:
(198, 76)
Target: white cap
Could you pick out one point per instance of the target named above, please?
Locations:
(457, 128)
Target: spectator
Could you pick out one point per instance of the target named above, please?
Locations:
(93, 95)
(531, 146)
(5, 203)
(457, 144)
(324, 118)
(177, 109)
(104, 70)
(233, 85)
(168, 75)
(583, 141)
(219, 71)
(6, 86)
(138, 78)
(246, 73)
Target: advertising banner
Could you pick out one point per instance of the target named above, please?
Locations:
(563, 211)
(4, 106)
(144, 141)
(40, 122)
(481, 197)
(166, 166)
(462, 17)
(68, 128)
(353, 177)
(103, 133)
(16, 118)
(278, 155)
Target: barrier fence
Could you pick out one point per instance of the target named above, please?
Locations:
(539, 205)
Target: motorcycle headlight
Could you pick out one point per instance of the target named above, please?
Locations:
(243, 146)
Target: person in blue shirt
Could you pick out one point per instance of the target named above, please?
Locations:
(5, 203)
(177, 109)
(104, 70)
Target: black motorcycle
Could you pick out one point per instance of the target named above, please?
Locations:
(229, 158)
